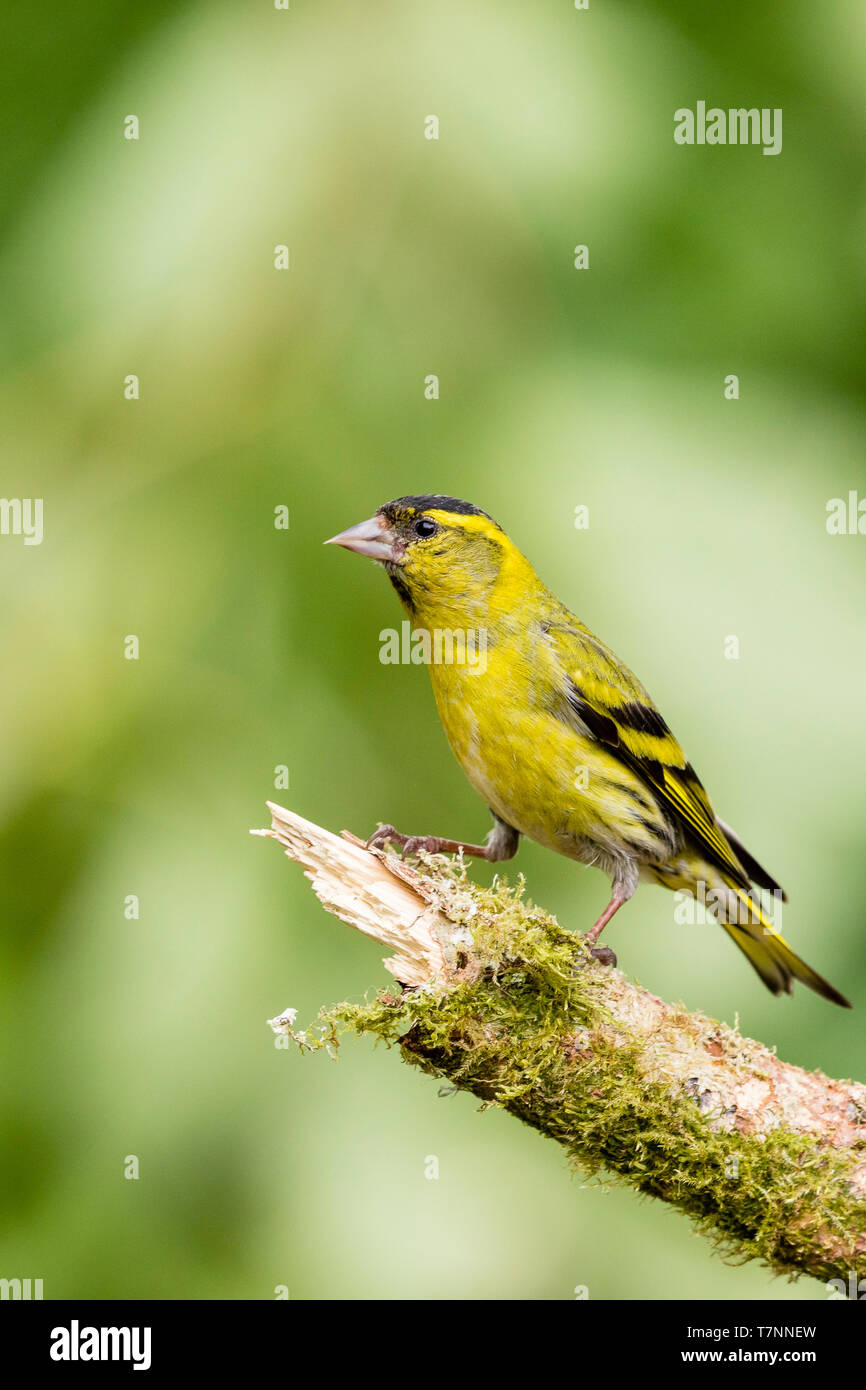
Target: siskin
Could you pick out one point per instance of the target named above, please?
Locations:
(555, 733)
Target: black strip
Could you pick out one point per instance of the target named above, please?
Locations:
(429, 501)
(642, 719)
(651, 772)
(402, 588)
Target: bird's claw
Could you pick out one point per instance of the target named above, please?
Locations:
(408, 844)
(383, 836)
(431, 844)
(604, 954)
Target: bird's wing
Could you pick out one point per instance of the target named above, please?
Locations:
(601, 697)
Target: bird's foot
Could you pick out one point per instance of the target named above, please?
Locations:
(408, 844)
(604, 954)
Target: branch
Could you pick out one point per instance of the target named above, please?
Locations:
(770, 1160)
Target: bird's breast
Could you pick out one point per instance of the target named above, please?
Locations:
(534, 769)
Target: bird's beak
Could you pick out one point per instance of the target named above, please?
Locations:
(374, 538)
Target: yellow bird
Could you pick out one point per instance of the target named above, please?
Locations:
(555, 733)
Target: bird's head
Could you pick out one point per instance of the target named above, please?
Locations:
(441, 554)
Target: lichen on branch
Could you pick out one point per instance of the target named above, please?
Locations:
(498, 999)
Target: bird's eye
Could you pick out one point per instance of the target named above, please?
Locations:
(425, 527)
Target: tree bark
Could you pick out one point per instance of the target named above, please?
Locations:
(498, 999)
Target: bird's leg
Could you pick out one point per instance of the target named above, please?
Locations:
(604, 953)
(433, 844)
(501, 843)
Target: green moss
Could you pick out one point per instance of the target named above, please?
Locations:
(526, 1028)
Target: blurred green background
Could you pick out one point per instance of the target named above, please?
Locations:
(305, 388)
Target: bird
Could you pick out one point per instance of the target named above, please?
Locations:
(556, 734)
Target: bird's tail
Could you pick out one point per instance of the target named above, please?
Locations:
(769, 953)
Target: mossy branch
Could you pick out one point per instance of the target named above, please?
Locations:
(497, 998)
